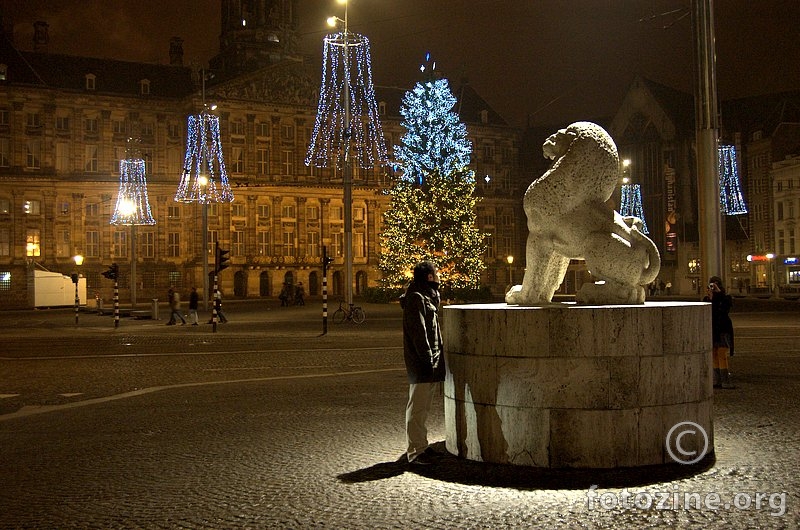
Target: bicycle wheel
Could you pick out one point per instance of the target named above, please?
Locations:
(338, 316)
(358, 315)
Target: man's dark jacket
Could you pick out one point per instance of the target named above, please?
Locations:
(422, 339)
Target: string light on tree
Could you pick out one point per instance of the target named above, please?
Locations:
(435, 138)
(731, 201)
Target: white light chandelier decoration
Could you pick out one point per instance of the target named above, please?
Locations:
(204, 178)
(731, 201)
(133, 206)
(347, 115)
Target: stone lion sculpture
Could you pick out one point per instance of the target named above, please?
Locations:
(569, 218)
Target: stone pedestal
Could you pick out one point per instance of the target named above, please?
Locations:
(576, 386)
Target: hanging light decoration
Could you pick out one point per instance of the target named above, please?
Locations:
(133, 206)
(731, 201)
(204, 179)
(347, 115)
(631, 203)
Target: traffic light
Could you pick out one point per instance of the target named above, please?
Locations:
(113, 272)
(221, 259)
(326, 262)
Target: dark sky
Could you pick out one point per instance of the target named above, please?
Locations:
(553, 60)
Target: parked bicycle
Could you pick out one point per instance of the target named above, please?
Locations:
(352, 313)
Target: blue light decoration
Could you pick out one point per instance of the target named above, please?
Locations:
(731, 201)
(347, 114)
(133, 206)
(436, 139)
(204, 178)
(630, 204)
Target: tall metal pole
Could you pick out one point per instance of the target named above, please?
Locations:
(134, 259)
(348, 176)
(710, 220)
(204, 255)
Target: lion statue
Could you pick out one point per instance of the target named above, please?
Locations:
(569, 218)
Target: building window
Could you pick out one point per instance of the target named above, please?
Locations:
(263, 212)
(262, 161)
(337, 213)
(490, 247)
(237, 127)
(62, 123)
(147, 240)
(238, 210)
(694, 266)
(288, 243)
(287, 132)
(120, 244)
(174, 211)
(174, 131)
(359, 213)
(33, 154)
(5, 242)
(144, 87)
(118, 126)
(5, 281)
(33, 120)
(32, 207)
(90, 126)
(90, 81)
(382, 108)
(3, 72)
(312, 213)
(288, 162)
(237, 160)
(360, 244)
(288, 211)
(63, 243)
(147, 128)
(173, 244)
(62, 156)
(213, 237)
(32, 244)
(264, 239)
(90, 159)
(5, 206)
(313, 248)
(237, 243)
(5, 152)
(338, 244)
(263, 129)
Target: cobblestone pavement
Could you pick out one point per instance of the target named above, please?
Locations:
(266, 424)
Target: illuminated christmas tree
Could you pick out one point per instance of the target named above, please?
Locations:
(435, 140)
(433, 205)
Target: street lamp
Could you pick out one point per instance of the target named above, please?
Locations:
(771, 273)
(78, 259)
(510, 260)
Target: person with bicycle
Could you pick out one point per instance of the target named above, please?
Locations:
(423, 353)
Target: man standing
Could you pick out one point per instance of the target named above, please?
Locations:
(423, 354)
(194, 303)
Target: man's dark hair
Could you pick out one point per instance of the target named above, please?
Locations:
(422, 269)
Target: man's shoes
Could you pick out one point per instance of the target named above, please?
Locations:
(423, 459)
(194, 324)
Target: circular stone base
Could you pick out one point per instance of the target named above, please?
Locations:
(577, 386)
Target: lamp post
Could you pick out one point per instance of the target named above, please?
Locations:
(202, 180)
(510, 260)
(78, 259)
(347, 177)
(771, 274)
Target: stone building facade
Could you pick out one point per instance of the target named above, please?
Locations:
(64, 126)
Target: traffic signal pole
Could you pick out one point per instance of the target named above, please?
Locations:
(325, 262)
(220, 263)
(113, 274)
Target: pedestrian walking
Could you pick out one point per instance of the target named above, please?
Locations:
(300, 294)
(175, 307)
(721, 331)
(285, 294)
(194, 302)
(423, 353)
(218, 304)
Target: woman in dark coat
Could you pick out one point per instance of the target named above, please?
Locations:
(721, 330)
(424, 356)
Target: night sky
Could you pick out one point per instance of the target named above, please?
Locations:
(549, 61)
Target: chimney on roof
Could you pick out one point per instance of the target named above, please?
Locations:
(40, 36)
(176, 51)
